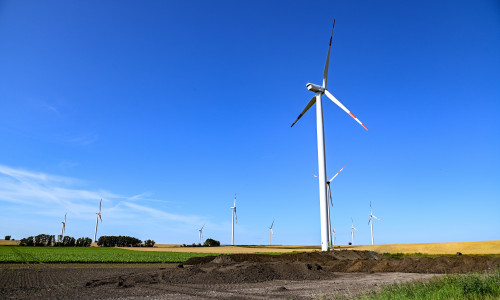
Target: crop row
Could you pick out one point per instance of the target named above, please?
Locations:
(16, 254)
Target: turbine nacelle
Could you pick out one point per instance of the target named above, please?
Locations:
(315, 88)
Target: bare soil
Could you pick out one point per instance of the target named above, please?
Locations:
(243, 276)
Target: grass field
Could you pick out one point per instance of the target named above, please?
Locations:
(18, 254)
(455, 286)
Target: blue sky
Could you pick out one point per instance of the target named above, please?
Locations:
(166, 109)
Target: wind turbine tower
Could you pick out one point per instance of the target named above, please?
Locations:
(63, 227)
(201, 233)
(352, 231)
(319, 91)
(97, 221)
(271, 233)
(329, 193)
(370, 221)
(235, 218)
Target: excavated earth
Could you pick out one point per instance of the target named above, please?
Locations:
(238, 276)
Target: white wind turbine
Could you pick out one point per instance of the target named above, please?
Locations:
(333, 238)
(329, 193)
(271, 233)
(320, 90)
(201, 233)
(63, 226)
(97, 221)
(352, 231)
(370, 221)
(233, 208)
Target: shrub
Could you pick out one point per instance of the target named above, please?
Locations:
(43, 240)
(29, 241)
(83, 242)
(7, 237)
(68, 241)
(149, 243)
(118, 241)
(211, 243)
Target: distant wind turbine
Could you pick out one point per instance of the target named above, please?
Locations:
(271, 233)
(235, 218)
(333, 238)
(317, 99)
(201, 233)
(97, 221)
(370, 221)
(63, 226)
(329, 193)
(352, 231)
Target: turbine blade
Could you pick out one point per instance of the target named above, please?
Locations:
(313, 100)
(325, 73)
(315, 176)
(272, 225)
(337, 174)
(377, 218)
(100, 203)
(329, 95)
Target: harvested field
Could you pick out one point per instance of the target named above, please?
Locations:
(230, 249)
(479, 248)
(257, 276)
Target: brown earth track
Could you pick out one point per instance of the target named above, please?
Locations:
(232, 276)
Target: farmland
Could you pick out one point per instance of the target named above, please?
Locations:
(471, 248)
(18, 254)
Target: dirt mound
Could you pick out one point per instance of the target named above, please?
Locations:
(252, 268)
(315, 257)
(223, 259)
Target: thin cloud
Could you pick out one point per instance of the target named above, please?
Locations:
(46, 194)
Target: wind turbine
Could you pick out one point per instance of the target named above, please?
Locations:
(271, 233)
(63, 226)
(97, 221)
(320, 90)
(329, 192)
(233, 208)
(352, 231)
(370, 221)
(333, 238)
(201, 233)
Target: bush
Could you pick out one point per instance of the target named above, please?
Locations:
(7, 237)
(68, 241)
(211, 243)
(118, 241)
(83, 242)
(29, 241)
(44, 240)
(149, 243)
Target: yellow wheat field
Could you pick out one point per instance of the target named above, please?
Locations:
(483, 247)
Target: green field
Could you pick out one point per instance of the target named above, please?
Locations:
(18, 254)
(450, 287)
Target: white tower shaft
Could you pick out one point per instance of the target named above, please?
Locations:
(322, 174)
(232, 230)
(95, 234)
(371, 225)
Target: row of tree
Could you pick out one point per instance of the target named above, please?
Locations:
(47, 240)
(207, 243)
(122, 241)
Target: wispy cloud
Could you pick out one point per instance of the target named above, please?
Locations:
(47, 194)
(85, 139)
